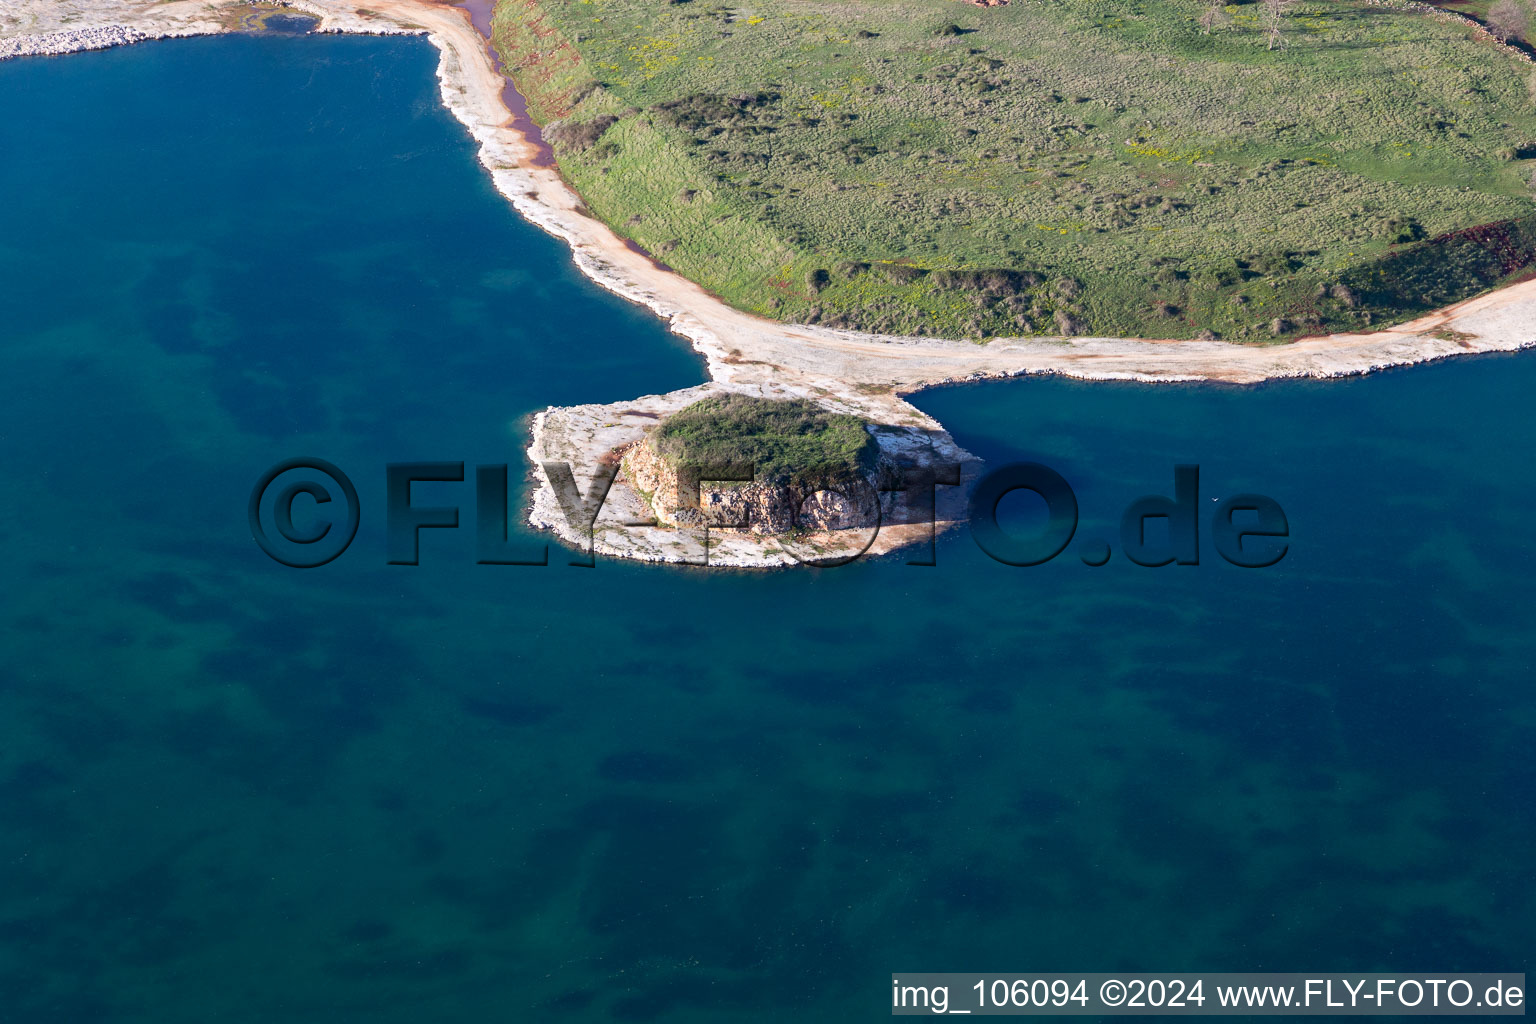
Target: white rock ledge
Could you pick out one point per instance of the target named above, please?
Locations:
(847, 371)
(75, 41)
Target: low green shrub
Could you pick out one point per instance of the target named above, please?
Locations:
(792, 441)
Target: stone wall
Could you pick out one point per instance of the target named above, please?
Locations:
(1479, 31)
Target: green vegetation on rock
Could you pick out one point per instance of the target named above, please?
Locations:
(792, 441)
(1048, 167)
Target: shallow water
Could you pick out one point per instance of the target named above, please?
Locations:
(292, 23)
(235, 791)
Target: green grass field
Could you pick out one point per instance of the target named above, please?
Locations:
(1475, 8)
(1053, 166)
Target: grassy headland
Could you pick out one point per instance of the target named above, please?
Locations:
(1053, 166)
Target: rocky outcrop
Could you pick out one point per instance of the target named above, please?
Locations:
(761, 507)
(629, 524)
(863, 374)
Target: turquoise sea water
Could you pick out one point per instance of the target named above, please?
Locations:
(238, 792)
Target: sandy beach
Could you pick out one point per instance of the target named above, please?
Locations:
(861, 373)
(737, 345)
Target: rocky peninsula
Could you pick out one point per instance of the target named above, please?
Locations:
(843, 372)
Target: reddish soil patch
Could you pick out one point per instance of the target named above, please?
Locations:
(640, 250)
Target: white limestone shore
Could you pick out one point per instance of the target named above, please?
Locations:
(53, 28)
(73, 41)
(849, 371)
(737, 345)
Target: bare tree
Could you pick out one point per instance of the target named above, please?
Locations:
(1274, 20)
(1214, 16)
(1509, 20)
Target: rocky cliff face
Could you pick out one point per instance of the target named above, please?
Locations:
(762, 507)
(585, 436)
